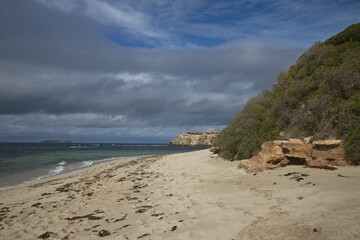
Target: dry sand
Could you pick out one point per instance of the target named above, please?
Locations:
(185, 196)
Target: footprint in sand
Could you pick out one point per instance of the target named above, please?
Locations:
(181, 198)
(195, 235)
(281, 200)
(225, 218)
(248, 213)
(190, 222)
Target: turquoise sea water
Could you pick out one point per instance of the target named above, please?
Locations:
(21, 162)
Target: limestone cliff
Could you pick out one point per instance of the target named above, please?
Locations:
(275, 154)
(194, 139)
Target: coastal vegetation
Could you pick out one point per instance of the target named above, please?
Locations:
(318, 96)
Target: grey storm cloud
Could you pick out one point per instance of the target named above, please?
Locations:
(60, 73)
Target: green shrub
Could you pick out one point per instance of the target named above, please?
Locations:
(249, 129)
(318, 96)
(350, 34)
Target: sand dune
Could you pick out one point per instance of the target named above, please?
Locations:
(184, 196)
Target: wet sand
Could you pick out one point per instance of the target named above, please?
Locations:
(190, 195)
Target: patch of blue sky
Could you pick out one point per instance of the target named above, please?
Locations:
(125, 40)
(204, 42)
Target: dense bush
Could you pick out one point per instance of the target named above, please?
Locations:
(318, 96)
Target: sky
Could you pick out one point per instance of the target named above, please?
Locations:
(143, 71)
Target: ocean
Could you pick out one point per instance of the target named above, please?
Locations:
(22, 162)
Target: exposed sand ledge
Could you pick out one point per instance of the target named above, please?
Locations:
(185, 196)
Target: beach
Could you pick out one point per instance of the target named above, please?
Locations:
(192, 195)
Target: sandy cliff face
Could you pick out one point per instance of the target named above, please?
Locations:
(296, 152)
(194, 139)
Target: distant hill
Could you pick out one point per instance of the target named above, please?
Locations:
(57, 142)
(318, 96)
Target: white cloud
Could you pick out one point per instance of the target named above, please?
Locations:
(141, 78)
(64, 5)
(84, 120)
(170, 23)
(61, 76)
(120, 15)
(84, 127)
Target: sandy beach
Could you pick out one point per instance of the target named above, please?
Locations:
(190, 195)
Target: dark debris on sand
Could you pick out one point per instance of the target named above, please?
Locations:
(88, 216)
(327, 167)
(144, 235)
(104, 233)
(120, 219)
(296, 176)
(46, 235)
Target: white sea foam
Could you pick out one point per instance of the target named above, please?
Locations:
(69, 167)
(143, 145)
(62, 163)
(57, 170)
(86, 163)
(108, 159)
(136, 145)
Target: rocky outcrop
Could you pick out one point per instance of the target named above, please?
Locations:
(296, 152)
(328, 152)
(214, 150)
(194, 139)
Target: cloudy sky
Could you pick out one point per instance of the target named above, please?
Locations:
(146, 70)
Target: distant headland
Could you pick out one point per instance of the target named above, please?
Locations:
(194, 139)
(56, 141)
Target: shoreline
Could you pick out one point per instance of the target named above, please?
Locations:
(21, 164)
(75, 171)
(190, 195)
(69, 171)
